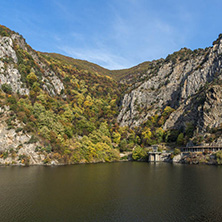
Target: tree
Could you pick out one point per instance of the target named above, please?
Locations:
(116, 137)
(219, 157)
(123, 145)
(139, 153)
(146, 135)
(31, 78)
(159, 134)
(180, 139)
(189, 130)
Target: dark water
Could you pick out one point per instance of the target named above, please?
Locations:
(111, 192)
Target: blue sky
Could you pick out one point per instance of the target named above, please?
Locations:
(114, 33)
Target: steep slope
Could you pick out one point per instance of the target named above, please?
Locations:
(58, 110)
(17, 60)
(80, 64)
(136, 74)
(177, 78)
(69, 111)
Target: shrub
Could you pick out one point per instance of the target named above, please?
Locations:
(180, 139)
(219, 157)
(139, 153)
(46, 160)
(5, 155)
(176, 152)
(123, 145)
(11, 99)
(19, 129)
(33, 140)
(31, 78)
(6, 88)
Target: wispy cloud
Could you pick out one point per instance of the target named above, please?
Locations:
(98, 56)
(114, 33)
(136, 31)
(142, 28)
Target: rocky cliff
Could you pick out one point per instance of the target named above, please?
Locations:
(13, 48)
(55, 109)
(188, 81)
(17, 147)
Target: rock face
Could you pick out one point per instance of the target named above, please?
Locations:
(9, 64)
(182, 81)
(17, 61)
(189, 82)
(16, 146)
(6, 49)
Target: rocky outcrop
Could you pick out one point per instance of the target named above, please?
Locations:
(9, 72)
(51, 81)
(17, 147)
(6, 49)
(179, 83)
(196, 158)
(11, 76)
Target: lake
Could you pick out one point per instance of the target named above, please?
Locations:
(125, 191)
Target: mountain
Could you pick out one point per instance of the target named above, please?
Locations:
(58, 110)
(187, 81)
(53, 110)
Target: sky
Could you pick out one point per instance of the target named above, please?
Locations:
(115, 34)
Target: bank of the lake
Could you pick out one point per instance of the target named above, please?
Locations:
(202, 158)
(129, 191)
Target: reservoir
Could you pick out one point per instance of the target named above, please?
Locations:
(124, 191)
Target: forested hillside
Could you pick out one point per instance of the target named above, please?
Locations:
(60, 110)
(69, 112)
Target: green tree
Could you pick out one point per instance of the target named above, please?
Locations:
(219, 157)
(176, 151)
(123, 145)
(31, 78)
(189, 130)
(180, 139)
(139, 153)
(7, 88)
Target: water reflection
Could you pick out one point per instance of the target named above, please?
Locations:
(111, 192)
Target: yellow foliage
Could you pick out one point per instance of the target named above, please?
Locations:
(167, 110)
(31, 78)
(147, 133)
(87, 104)
(116, 137)
(154, 118)
(159, 131)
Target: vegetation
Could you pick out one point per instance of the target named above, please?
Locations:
(183, 55)
(219, 157)
(176, 151)
(139, 153)
(79, 123)
(6, 88)
(4, 31)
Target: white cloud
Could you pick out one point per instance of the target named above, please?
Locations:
(137, 32)
(104, 58)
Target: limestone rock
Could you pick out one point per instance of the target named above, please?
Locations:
(182, 84)
(9, 73)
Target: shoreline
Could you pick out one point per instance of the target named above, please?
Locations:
(182, 158)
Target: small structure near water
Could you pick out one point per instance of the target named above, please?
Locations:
(200, 149)
(154, 155)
